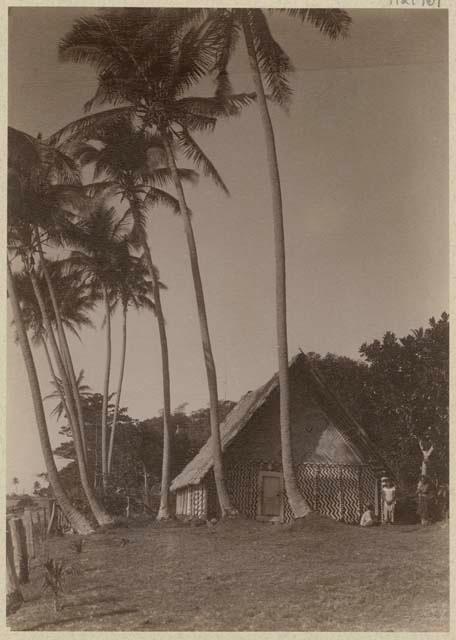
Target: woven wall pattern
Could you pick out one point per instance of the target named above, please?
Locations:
(338, 491)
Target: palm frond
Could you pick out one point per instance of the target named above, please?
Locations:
(193, 152)
(196, 49)
(157, 196)
(23, 151)
(226, 25)
(216, 107)
(86, 127)
(162, 177)
(102, 189)
(68, 195)
(334, 23)
(191, 121)
(64, 169)
(274, 63)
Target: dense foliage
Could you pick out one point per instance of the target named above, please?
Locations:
(400, 394)
(138, 448)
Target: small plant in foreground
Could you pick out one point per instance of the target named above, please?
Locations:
(54, 577)
(55, 572)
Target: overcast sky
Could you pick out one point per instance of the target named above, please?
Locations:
(364, 165)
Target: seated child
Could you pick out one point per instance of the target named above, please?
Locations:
(368, 517)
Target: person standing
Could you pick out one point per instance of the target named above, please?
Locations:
(388, 502)
(424, 493)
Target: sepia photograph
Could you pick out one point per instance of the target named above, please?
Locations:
(227, 309)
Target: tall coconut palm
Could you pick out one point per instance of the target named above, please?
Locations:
(43, 184)
(270, 66)
(38, 209)
(150, 68)
(132, 289)
(98, 510)
(98, 238)
(126, 164)
(77, 520)
(75, 303)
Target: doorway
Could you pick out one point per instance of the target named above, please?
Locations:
(270, 496)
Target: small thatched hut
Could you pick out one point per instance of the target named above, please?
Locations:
(337, 467)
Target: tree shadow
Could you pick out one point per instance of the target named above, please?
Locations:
(83, 603)
(42, 626)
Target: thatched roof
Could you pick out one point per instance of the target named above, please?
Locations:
(249, 404)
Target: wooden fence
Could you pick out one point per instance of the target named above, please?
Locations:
(26, 534)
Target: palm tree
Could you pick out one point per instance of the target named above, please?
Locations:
(270, 66)
(149, 68)
(74, 302)
(38, 204)
(15, 484)
(58, 394)
(132, 289)
(98, 237)
(124, 166)
(43, 183)
(78, 521)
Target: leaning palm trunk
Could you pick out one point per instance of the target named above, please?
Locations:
(65, 350)
(163, 511)
(54, 377)
(298, 504)
(104, 410)
(77, 520)
(119, 386)
(222, 493)
(101, 516)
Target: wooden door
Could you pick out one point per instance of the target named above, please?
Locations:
(270, 503)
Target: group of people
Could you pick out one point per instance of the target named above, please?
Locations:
(425, 493)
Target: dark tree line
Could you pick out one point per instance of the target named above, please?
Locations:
(399, 392)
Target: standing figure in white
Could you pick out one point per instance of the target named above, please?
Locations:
(389, 502)
(426, 455)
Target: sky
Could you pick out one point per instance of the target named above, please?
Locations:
(363, 156)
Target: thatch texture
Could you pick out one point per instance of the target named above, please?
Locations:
(249, 404)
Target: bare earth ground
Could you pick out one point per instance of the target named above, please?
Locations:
(248, 576)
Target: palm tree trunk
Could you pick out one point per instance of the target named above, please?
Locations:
(77, 520)
(101, 516)
(298, 504)
(222, 493)
(54, 377)
(119, 386)
(104, 411)
(64, 348)
(163, 511)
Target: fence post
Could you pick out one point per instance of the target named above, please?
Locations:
(51, 518)
(42, 523)
(27, 518)
(14, 597)
(36, 526)
(19, 542)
